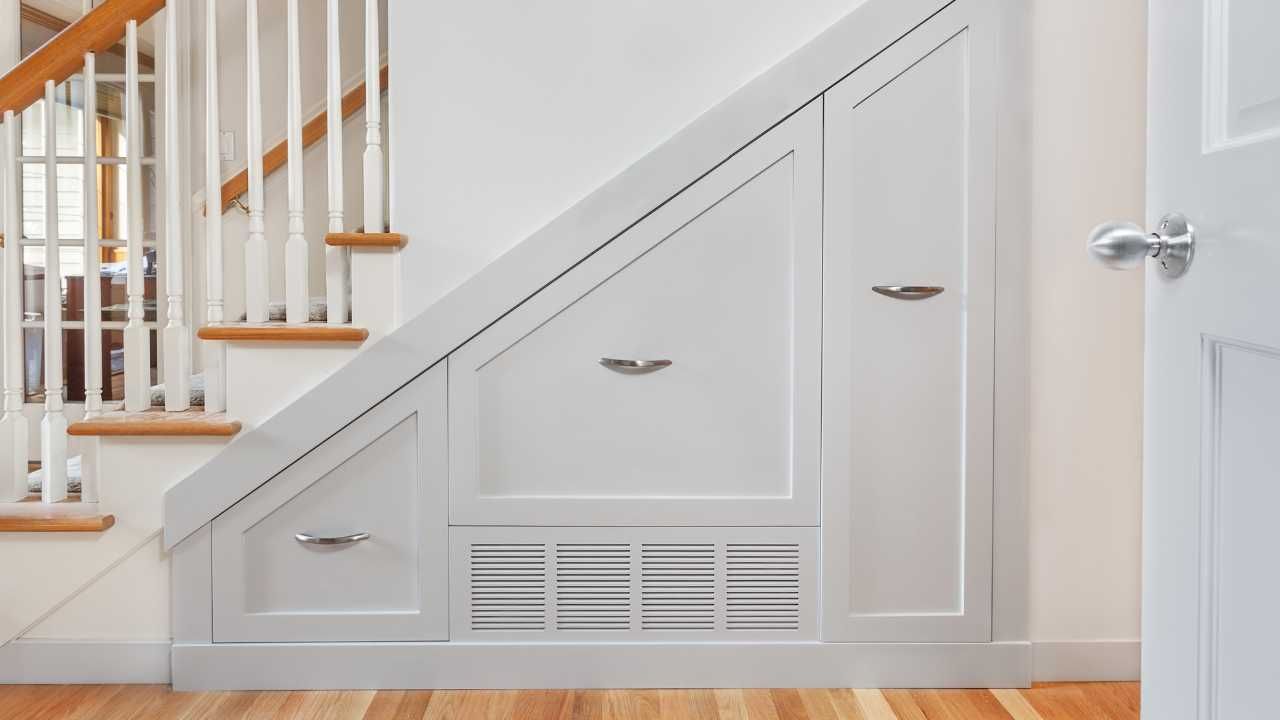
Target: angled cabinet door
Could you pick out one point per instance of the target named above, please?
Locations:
(350, 543)
(908, 335)
(718, 292)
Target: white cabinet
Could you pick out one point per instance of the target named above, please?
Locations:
(907, 420)
(723, 281)
(382, 476)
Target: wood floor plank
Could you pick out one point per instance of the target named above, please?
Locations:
(588, 705)
(817, 704)
(132, 700)
(687, 705)
(1121, 700)
(932, 705)
(541, 704)
(846, 705)
(268, 705)
(788, 704)
(631, 705)
(874, 705)
(904, 706)
(443, 704)
(1065, 702)
(1016, 704)
(731, 705)
(760, 705)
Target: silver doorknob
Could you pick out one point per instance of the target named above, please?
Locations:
(1123, 246)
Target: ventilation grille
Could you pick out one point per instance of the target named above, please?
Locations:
(678, 587)
(762, 587)
(641, 584)
(593, 587)
(508, 587)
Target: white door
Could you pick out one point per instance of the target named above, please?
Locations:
(1211, 485)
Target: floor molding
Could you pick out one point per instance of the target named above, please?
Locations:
(316, 666)
(85, 661)
(1086, 661)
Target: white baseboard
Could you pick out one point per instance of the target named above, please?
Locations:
(84, 661)
(313, 666)
(1082, 661)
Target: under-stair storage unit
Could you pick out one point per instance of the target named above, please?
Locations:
(672, 378)
(349, 543)
(908, 342)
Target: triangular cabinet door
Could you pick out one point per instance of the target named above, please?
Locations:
(350, 542)
(672, 377)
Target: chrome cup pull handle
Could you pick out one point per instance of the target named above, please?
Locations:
(908, 292)
(618, 364)
(336, 540)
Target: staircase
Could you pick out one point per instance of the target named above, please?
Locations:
(130, 451)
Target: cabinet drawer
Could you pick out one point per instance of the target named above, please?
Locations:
(723, 282)
(376, 493)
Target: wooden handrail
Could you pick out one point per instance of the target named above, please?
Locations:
(60, 58)
(36, 16)
(312, 132)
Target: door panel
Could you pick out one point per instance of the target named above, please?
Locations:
(908, 382)
(1212, 399)
(722, 281)
(383, 475)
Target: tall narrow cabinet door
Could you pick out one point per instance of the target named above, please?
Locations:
(908, 333)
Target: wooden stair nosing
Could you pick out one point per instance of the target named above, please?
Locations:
(280, 332)
(156, 423)
(53, 522)
(365, 240)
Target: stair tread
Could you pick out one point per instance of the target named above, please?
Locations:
(362, 239)
(284, 332)
(34, 516)
(157, 422)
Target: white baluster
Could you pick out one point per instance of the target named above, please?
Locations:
(375, 276)
(177, 336)
(92, 283)
(53, 429)
(336, 259)
(296, 294)
(215, 353)
(13, 424)
(374, 222)
(255, 251)
(137, 339)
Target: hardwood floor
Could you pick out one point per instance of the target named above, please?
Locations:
(1067, 701)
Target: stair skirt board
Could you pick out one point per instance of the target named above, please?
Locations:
(375, 666)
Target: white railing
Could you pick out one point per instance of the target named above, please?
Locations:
(175, 349)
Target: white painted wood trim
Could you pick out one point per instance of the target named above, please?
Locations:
(387, 365)
(296, 292)
(176, 336)
(214, 353)
(89, 469)
(1010, 556)
(53, 428)
(137, 338)
(306, 666)
(337, 259)
(13, 424)
(1086, 661)
(256, 271)
(191, 587)
(85, 662)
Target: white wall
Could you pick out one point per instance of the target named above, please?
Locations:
(512, 111)
(1088, 138)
